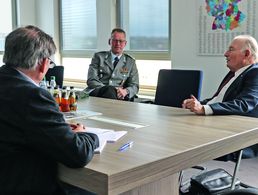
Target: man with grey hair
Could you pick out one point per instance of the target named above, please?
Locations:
(34, 136)
(238, 92)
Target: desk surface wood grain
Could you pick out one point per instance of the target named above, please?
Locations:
(173, 139)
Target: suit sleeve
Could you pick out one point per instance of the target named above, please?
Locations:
(242, 99)
(48, 132)
(93, 80)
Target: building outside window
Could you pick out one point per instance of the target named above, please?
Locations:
(78, 25)
(147, 23)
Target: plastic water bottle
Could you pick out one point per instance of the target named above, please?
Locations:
(43, 84)
(52, 82)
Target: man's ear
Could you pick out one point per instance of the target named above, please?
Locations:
(109, 41)
(43, 66)
(247, 52)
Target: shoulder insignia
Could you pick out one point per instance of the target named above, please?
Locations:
(104, 53)
(129, 56)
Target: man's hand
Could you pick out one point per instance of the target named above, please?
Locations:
(78, 127)
(121, 93)
(194, 105)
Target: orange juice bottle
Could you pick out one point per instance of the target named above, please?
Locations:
(72, 99)
(57, 96)
(65, 107)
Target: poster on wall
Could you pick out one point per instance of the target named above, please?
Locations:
(219, 21)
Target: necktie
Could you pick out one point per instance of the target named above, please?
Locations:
(116, 60)
(229, 76)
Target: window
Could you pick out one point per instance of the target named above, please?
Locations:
(147, 25)
(83, 32)
(6, 23)
(78, 25)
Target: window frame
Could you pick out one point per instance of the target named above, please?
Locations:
(112, 19)
(147, 55)
(141, 55)
(71, 53)
(14, 17)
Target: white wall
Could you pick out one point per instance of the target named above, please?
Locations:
(184, 40)
(26, 12)
(42, 13)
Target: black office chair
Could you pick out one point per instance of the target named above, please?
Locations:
(248, 191)
(58, 72)
(175, 85)
(235, 183)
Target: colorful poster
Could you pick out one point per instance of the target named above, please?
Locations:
(221, 20)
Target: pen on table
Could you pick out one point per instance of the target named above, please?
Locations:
(125, 146)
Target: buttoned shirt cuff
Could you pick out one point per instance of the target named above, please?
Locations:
(207, 110)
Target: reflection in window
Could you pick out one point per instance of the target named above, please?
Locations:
(78, 24)
(6, 21)
(147, 24)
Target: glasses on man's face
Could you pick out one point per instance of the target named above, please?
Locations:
(52, 64)
(118, 41)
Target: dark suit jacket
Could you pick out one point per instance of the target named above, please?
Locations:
(34, 137)
(241, 98)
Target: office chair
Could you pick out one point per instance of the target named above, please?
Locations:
(236, 187)
(248, 191)
(58, 72)
(175, 85)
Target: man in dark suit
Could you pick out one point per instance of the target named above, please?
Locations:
(238, 92)
(113, 74)
(34, 136)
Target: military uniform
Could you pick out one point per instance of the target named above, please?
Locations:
(102, 73)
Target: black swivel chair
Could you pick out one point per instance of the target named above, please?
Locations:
(58, 72)
(248, 191)
(175, 85)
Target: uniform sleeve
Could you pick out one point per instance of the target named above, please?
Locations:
(132, 83)
(93, 80)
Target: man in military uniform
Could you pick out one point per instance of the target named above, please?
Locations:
(113, 74)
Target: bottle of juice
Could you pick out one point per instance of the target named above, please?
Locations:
(57, 96)
(72, 99)
(65, 107)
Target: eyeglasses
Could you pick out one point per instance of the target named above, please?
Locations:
(52, 64)
(118, 41)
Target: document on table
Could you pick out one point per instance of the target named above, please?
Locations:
(80, 114)
(107, 134)
(102, 144)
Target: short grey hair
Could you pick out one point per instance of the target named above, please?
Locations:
(26, 47)
(250, 43)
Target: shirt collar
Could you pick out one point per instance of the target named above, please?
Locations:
(241, 70)
(27, 77)
(113, 56)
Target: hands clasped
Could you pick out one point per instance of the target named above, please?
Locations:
(121, 93)
(193, 105)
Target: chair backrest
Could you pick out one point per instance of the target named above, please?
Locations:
(58, 72)
(176, 85)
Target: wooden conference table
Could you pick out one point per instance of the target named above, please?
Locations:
(172, 140)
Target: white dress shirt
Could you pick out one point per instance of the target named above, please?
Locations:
(220, 96)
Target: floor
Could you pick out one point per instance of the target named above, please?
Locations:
(248, 172)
